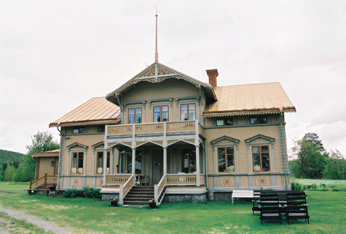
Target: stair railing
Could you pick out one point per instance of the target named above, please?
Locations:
(125, 188)
(159, 190)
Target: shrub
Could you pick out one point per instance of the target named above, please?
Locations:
(298, 187)
(91, 192)
(73, 193)
(314, 187)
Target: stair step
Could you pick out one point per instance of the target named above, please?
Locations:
(136, 200)
(136, 203)
(140, 195)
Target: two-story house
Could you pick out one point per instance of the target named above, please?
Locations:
(166, 135)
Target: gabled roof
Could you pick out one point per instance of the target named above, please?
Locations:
(158, 72)
(249, 99)
(51, 153)
(96, 109)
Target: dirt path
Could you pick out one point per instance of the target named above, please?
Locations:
(46, 225)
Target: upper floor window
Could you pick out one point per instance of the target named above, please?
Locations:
(260, 157)
(99, 162)
(135, 115)
(225, 159)
(161, 113)
(77, 162)
(100, 129)
(188, 111)
(258, 120)
(78, 130)
(225, 121)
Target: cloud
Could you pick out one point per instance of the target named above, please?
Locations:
(56, 55)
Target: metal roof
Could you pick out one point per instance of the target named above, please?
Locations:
(250, 98)
(95, 109)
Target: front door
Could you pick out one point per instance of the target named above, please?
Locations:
(157, 166)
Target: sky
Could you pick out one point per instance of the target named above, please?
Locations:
(55, 55)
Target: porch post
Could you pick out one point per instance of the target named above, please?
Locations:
(133, 149)
(198, 169)
(133, 161)
(164, 148)
(164, 160)
(105, 145)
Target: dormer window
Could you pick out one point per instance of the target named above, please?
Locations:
(161, 113)
(188, 111)
(135, 115)
(258, 120)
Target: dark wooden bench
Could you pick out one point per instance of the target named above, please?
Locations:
(296, 207)
(270, 208)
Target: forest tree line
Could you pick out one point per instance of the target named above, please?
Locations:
(24, 170)
(314, 162)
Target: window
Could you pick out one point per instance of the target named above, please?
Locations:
(222, 122)
(99, 162)
(225, 159)
(79, 130)
(161, 113)
(126, 162)
(258, 120)
(100, 128)
(77, 162)
(188, 111)
(135, 115)
(260, 157)
(189, 161)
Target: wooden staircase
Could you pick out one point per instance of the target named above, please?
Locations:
(139, 195)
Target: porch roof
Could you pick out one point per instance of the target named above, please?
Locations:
(250, 99)
(96, 109)
(51, 153)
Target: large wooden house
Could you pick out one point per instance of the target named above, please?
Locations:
(170, 137)
(174, 137)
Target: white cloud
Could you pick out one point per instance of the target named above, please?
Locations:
(57, 54)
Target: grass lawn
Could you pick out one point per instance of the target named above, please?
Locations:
(326, 209)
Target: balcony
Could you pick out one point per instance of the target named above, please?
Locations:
(160, 129)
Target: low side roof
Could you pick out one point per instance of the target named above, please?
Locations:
(250, 98)
(51, 153)
(95, 109)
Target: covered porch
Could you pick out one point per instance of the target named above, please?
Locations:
(179, 165)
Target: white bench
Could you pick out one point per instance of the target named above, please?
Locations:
(242, 194)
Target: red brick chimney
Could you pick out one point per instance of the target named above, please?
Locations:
(212, 73)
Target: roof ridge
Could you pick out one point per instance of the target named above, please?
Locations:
(262, 83)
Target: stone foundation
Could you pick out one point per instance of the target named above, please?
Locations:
(108, 196)
(194, 198)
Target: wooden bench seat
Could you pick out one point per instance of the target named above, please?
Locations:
(242, 194)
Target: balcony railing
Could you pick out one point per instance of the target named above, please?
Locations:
(147, 128)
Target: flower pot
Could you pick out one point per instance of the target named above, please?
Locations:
(152, 205)
(114, 202)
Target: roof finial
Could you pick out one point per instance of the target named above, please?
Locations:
(156, 53)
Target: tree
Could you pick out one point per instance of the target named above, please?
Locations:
(336, 166)
(9, 172)
(41, 141)
(312, 156)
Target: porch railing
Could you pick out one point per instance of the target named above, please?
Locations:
(159, 190)
(125, 188)
(143, 128)
(177, 179)
(43, 182)
(116, 179)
